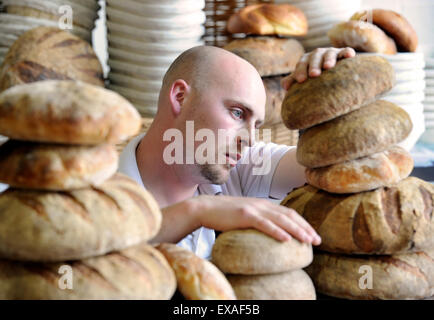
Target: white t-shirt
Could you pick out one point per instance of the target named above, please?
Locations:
(244, 181)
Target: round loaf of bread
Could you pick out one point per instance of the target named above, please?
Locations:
(362, 36)
(269, 19)
(69, 112)
(394, 24)
(198, 279)
(374, 171)
(290, 285)
(252, 252)
(388, 220)
(58, 226)
(50, 53)
(351, 84)
(269, 55)
(56, 167)
(396, 277)
(139, 272)
(368, 130)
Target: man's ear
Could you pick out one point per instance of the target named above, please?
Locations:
(177, 95)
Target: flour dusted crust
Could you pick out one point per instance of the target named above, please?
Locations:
(290, 285)
(139, 272)
(69, 112)
(198, 279)
(377, 170)
(251, 252)
(388, 220)
(57, 226)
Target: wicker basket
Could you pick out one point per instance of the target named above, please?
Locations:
(217, 14)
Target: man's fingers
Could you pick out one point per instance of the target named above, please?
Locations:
(300, 72)
(315, 62)
(292, 214)
(347, 53)
(330, 58)
(287, 82)
(268, 227)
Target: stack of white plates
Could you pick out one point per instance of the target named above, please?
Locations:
(20, 16)
(408, 92)
(144, 38)
(428, 103)
(322, 15)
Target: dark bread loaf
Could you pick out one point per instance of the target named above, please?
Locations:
(50, 53)
(368, 130)
(198, 279)
(69, 112)
(59, 226)
(270, 56)
(139, 272)
(54, 166)
(351, 84)
(397, 277)
(388, 220)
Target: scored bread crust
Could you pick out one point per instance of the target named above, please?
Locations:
(269, 55)
(351, 84)
(69, 112)
(269, 19)
(198, 279)
(365, 131)
(290, 285)
(396, 277)
(57, 226)
(138, 272)
(251, 252)
(56, 167)
(50, 53)
(362, 36)
(377, 170)
(394, 24)
(388, 220)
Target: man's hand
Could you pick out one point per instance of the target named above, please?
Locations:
(225, 213)
(313, 62)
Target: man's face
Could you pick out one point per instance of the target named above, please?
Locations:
(232, 106)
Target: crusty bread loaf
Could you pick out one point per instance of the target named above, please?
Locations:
(362, 36)
(252, 252)
(405, 276)
(69, 112)
(59, 226)
(394, 24)
(139, 272)
(198, 279)
(275, 94)
(269, 19)
(54, 166)
(384, 221)
(269, 55)
(290, 285)
(370, 129)
(50, 53)
(351, 84)
(378, 170)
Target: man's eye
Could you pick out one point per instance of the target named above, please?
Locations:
(237, 113)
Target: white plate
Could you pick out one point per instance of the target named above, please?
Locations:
(429, 116)
(134, 83)
(418, 128)
(402, 76)
(307, 5)
(316, 31)
(407, 65)
(415, 109)
(169, 23)
(345, 8)
(141, 34)
(6, 40)
(405, 98)
(398, 57)
(135, 94)
(429, 82)
(408, 87)
(156, 8)
(428, 135)
(328, 20)
(429, 73)
(142, 59)
(322, 41)
(429, 91)
(429, 99)
(429, 63)
(135, 70)
(150, 48)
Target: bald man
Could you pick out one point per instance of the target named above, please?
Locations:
(212, 89)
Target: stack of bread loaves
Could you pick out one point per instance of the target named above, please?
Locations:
(321, 16)
(269, 48)
(428, 103)
(261, 268)
(19, 16)
(384, 32)
(359, 198)
(144, 39)
(66, 211)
